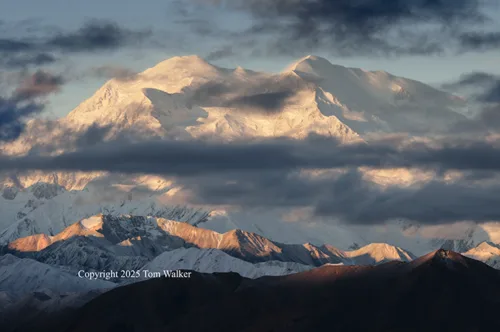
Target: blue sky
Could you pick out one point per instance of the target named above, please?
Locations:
(161, 16)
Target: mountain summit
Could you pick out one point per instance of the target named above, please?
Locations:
(181, 67)
(186, 97)
(311, 64)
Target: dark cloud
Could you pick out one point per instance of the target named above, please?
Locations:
(269, 173)
(492, 95)
(14, 46)
(225, 52)
(109, 72)
(270, 101)
(93, 135)
(63, 137)
(489, 117)
(351, 198)
(187, 158)
(24, 60)
(96, 36)
(93, 36)
(483, 91)
(480, 79)
(480, 41)
(13, 115)
(39, 84)
(367, 27)
(23, 103)
(266, 94)
(367, 14)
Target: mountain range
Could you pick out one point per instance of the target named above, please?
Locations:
(105, 242)
(393, 296)
(43, 274)
(39, 271)
(186, 97)
(274, 268)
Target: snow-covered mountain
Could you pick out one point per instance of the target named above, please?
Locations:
(20, 276)
(215, 260)
(186, 97)
(486, 252)
(106, 242)
(25, 215)
(376, 253)
(374, 101)
(15, 203)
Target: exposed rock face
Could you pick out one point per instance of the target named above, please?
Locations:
(46, 190)
(9, 193)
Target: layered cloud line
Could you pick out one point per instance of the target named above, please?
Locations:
(269, 174)
(349, 197)
(188, 158)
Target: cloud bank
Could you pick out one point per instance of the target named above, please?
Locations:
(270, 173)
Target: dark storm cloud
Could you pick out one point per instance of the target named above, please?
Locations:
(366, 27)
(93, 36)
